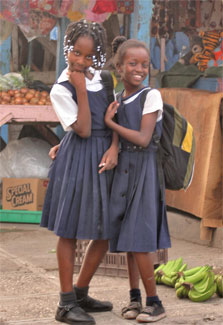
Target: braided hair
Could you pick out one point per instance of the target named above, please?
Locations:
(92, 29)
(117, 41)
(120, 45)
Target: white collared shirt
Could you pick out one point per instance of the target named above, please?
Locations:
(65, 107)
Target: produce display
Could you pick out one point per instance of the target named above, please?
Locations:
(24, 96)
(198, 284)
(19, 89)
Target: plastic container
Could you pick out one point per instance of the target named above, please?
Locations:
(20, 216)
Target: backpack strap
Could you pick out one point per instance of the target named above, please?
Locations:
(108, 83)
(156, 139)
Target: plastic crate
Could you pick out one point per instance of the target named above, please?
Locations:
(113, 264)
(22, 216)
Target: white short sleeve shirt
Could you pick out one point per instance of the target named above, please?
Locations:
(65, 107)
(153, 103)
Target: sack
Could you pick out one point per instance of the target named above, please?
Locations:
(108, 83)
(176, 148)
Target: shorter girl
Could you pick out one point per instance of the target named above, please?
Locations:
(137, 210)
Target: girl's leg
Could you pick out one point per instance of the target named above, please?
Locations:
(133, 309)
(154, 310)
(133, 271)
(65, 258)
(95, 252)
(146, 269)
(68, 310)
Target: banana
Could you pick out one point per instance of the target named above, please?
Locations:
(174, 280)
(202, 284)
(177, 285)
(219, 284)
(185, 292)
(183, 268)
(159, 268)
(166, 280)
(178, 264)
(196, 277)
(180, 292)
(200, 297)
(175, 276)
(165, 269)
(206, 286)
(192, 271)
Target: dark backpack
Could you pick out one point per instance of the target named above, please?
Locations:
(176, 148)
(108, 83)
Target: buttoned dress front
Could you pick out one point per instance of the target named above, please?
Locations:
(137, 210)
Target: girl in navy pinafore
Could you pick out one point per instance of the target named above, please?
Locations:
(77, 199)
(137, 210)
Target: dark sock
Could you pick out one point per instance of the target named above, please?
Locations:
(135, 295)
(67, 298)
(151, 300)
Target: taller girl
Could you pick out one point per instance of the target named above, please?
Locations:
(77, 199)
(138, 212)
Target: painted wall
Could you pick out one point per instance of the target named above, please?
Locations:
(140, 22)
(5, 54)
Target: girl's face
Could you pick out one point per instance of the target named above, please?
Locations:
(81, 57)
(134, 68)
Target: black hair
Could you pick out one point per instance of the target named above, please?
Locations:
(117, 41)
(121, 45)
(92, 29)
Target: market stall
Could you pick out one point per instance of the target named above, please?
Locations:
(186, 44)
(204, 196)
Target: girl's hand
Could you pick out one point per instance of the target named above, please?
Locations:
(110, 113)
(53, 151)
(109, 159)
(76, 78)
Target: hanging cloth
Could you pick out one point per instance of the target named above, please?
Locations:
(102, 6)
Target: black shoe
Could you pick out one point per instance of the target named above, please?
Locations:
(151, 314)
(91, 305)
(73, 314)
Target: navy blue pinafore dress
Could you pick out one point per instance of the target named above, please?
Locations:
(138, 215)
(77, 199)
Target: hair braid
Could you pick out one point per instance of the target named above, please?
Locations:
(92, 29)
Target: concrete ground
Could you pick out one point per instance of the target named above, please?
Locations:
(29, 282)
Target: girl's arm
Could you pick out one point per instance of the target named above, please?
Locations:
(110, 157)
(82, 126)
(53, 151)
(140, 138)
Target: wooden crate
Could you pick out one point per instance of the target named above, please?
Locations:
(113, 264)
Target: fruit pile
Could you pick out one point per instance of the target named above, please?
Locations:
(24, 96)
(198, 284)
(19, 89)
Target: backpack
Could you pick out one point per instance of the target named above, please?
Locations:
(108, 83)
(176, 148)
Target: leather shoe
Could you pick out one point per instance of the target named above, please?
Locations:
(73, 314)
(89, 304)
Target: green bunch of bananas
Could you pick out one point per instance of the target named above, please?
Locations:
(168, 273)
(198, 284)
(219, 285)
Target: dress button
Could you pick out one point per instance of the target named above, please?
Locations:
(126, 171)
(123, 195)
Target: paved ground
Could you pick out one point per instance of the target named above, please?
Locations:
(29, 283)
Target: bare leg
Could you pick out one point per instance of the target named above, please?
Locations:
(95, 252)
(146, 270)
(133, 271)
(133, 308)
(65, 258)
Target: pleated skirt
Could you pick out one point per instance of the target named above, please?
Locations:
(77, 198)
(138, 215)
